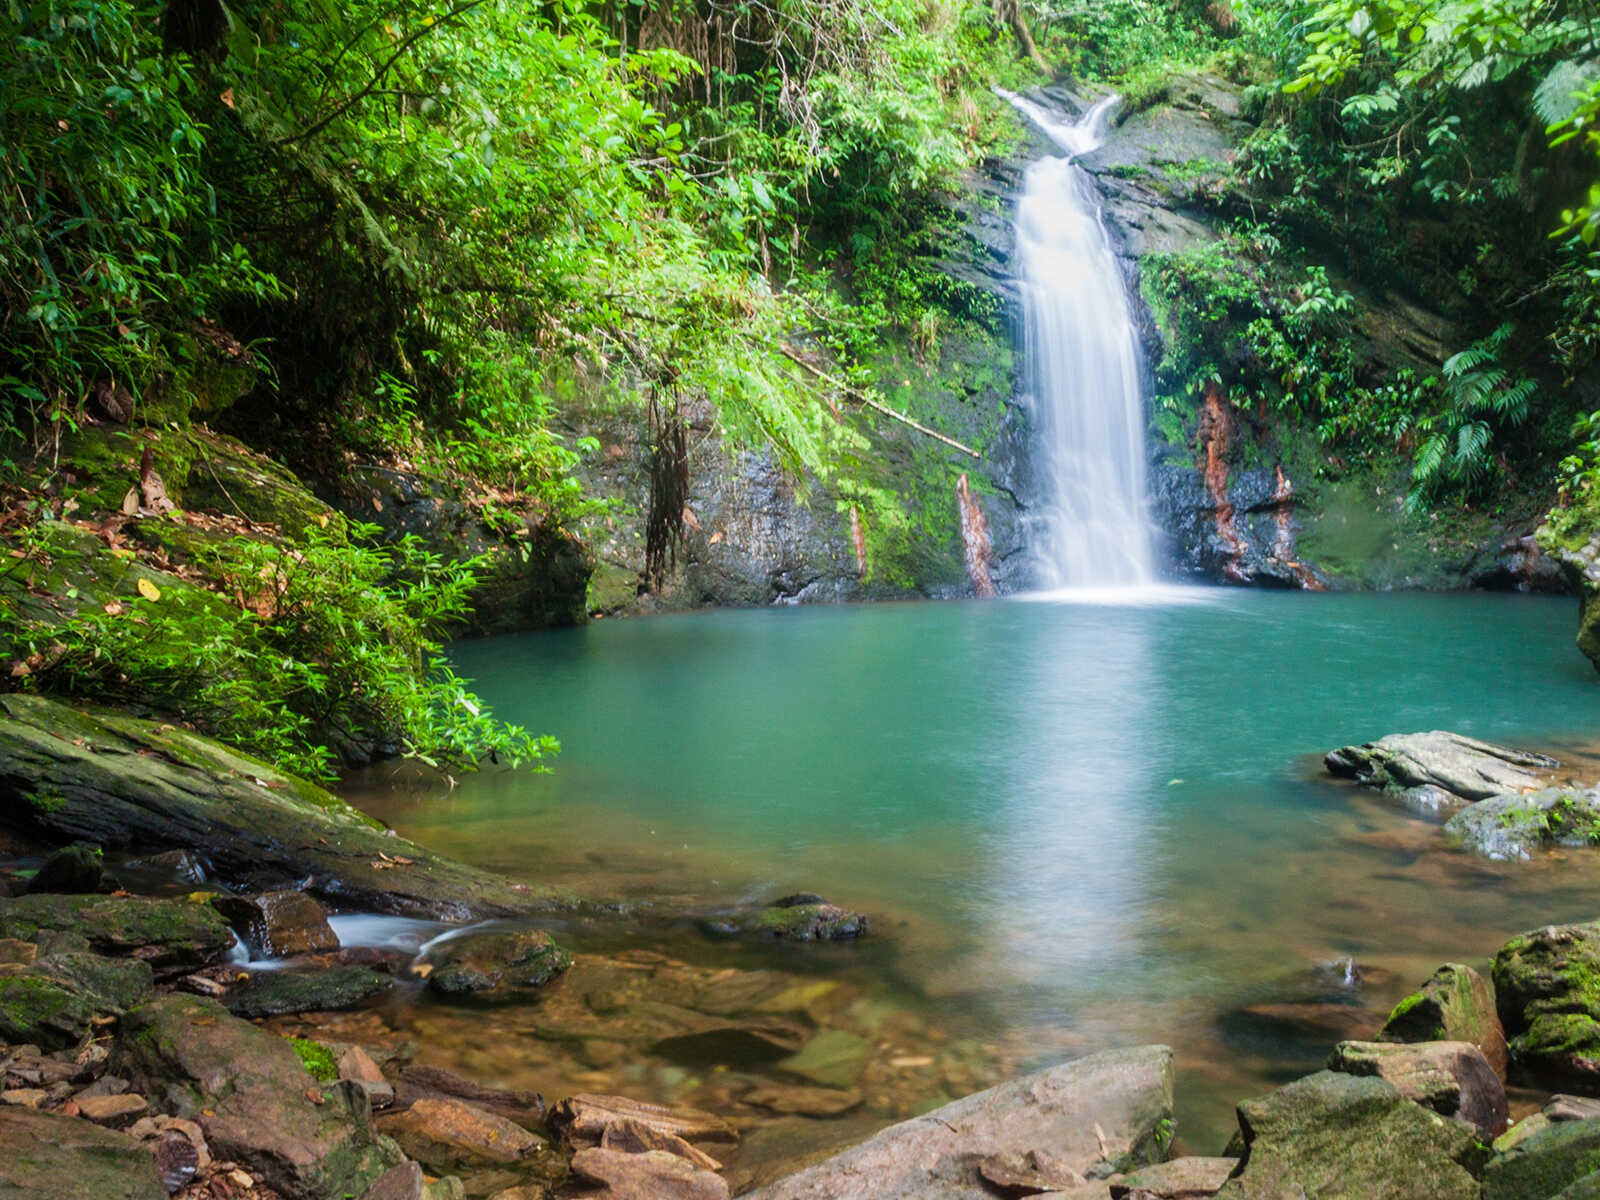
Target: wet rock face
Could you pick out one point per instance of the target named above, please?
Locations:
(1104, 1113)
(317, 989)
(1547, 984)
(278, 924)
(537, 575)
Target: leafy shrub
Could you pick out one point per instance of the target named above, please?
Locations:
(304, 652)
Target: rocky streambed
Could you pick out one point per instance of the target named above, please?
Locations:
(188, 1008)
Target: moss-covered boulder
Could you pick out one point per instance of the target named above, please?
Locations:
(55, 1001)
(120, 781)
(1456, 1005)
(1571, 536)
(63, 1158)
(800, 918)
(173, 937)
(1336, 1136)
(96, 468)
(1513, 828)
(1454, 1079)
(316, 989)
(1542, 1165)
(494, 964)
(1547, 988)
(252, 1097)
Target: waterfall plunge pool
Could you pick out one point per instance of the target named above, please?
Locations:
(1076, 825)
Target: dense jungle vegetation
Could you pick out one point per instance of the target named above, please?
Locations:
(401, 227)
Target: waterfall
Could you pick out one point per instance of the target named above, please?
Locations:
(1090, 527)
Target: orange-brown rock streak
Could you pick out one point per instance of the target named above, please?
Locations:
(975, 537)
(858, 539)
(1283, 541)
(1216, 432)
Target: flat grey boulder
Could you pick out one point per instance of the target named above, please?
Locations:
(1108, 1112)
(1511, 828)
(1464, 767)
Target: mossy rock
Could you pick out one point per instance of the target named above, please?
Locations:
(1571, 536)
(96, 466)
(54, 1002)
(1456, 1005)
(1344, 1137)
(1547, 987)
(316, 989)
(173, 936)
(1545, 1163)
(812, 920)
(65, 1158)
(252, 1097)
(118, 781)
(495, 964)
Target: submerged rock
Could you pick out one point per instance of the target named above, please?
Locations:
(1547, 984)
(120, 781)
(444, 1134)
(584, 1119)
(1511, 828)
(278, 924)
(1462, 766)
(1454, 1079)
(419, 1082)
(494, 964)
(1108, 1112)
(174, 937)
(1340, 1137)
(800, 918)
(249, 1093)
(63, 1158)
(648, 1175)
(1456, 1005)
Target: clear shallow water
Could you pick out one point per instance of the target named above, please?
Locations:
(1079, 823)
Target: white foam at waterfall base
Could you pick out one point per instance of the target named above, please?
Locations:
(1090, 527)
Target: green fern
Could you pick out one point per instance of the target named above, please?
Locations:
(1482, 399)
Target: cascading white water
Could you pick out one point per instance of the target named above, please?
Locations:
(1090, 528)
